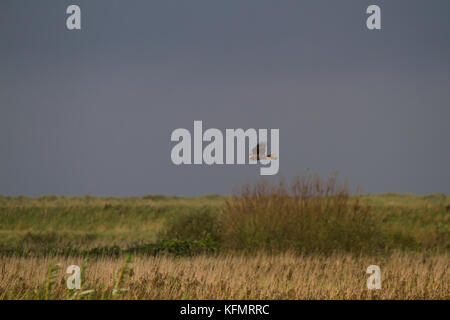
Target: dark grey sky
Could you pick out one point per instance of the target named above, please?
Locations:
(91, 111)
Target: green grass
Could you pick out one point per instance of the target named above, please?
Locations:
(90, 225)
(421, 221)
(52, 223)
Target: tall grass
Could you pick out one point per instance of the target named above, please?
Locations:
(260, 276)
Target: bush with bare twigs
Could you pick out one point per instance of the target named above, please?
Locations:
(309, 215)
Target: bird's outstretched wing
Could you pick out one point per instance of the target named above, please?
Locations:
(260, 149)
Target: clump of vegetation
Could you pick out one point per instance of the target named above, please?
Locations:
(309, 215)
(195, 225)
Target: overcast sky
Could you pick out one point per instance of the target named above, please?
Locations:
(92, 111)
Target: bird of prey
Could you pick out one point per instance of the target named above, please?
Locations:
(259, 153)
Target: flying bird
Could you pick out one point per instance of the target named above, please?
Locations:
(259, 153)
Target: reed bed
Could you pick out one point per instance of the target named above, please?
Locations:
(261, 276)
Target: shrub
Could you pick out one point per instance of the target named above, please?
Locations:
(310, 215)
(194, 225)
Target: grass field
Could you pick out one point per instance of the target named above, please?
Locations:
(313, 241)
